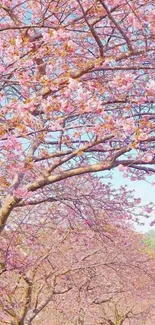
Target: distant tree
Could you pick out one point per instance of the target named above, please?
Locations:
(150, 239)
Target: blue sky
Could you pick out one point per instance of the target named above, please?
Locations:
(142, 189)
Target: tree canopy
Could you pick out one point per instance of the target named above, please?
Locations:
(77, 100)
(77, 92)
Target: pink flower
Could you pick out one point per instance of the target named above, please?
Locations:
(63, 35)
(129, 126)
(13, 143)
(148, 157)
(148, 209)
(72, 84)
(133, 178)
(142, 136)
(138, 200)
(21, 193)
(121, 168)
(152, 223)
(151, 87)
(123, 81)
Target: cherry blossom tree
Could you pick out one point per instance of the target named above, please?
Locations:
(76, 98)
(77, 93)
(74, 276)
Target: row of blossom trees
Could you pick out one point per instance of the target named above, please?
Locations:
(76, 262)
(76, 102)
(75, 276)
